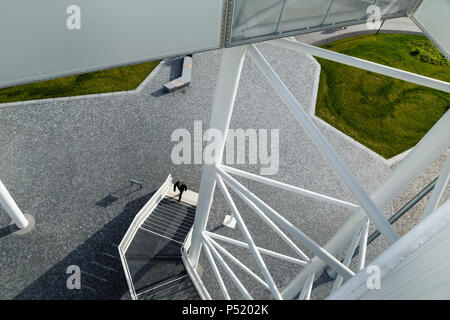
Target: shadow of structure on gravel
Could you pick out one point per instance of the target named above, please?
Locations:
(102, 276)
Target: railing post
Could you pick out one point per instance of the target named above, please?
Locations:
(8, 203)
(226, 89)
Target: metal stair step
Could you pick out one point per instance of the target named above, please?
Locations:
(181, 204)
(170, 290)
(172, 223)
(166, 233)
(175, 210)
(173, 215)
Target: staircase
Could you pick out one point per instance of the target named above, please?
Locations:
(171, 219)
(151, 249)
(178, 288)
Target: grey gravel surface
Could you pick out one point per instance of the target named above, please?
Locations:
(415, 215)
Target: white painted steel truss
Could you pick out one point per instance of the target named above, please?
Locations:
(353, 233)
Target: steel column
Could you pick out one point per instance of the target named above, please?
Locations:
(225, 95)
(10, 206)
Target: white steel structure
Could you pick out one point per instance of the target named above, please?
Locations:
(352, 234)
(243, 23)
(10, 206)
(415, 267)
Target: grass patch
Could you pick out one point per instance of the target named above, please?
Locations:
(111, 80)
(387, 115)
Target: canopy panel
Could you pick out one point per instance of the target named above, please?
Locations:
(53, 38)
(264, 19)
(50, 38)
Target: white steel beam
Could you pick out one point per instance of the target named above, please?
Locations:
(363, 64)
(274, 227)
(225, 95)
(288, 187)
(262, 250)
(230, 272)
(307, 288)
(216, 272)
(416, 267)
(436, 141)
(363, 245)
(433, 144)
(238, 263)
(348, 257)
(302, 117)
(439, 188)
(248, 238)
(287, 225)
(11, 208)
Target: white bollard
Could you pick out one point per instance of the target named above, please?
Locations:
(8, 203)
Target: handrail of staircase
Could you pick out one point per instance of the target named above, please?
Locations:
(196, 280)
(137, 222)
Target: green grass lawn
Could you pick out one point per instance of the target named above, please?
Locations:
(387, 115)
(117, 79)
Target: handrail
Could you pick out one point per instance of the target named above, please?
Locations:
(135, 224)
(196, 280)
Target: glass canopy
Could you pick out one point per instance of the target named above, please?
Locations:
(261, 19)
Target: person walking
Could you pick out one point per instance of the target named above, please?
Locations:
(182, 187)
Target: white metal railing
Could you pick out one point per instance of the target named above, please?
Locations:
(439, 188)
(192, 272)
(138, 220)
